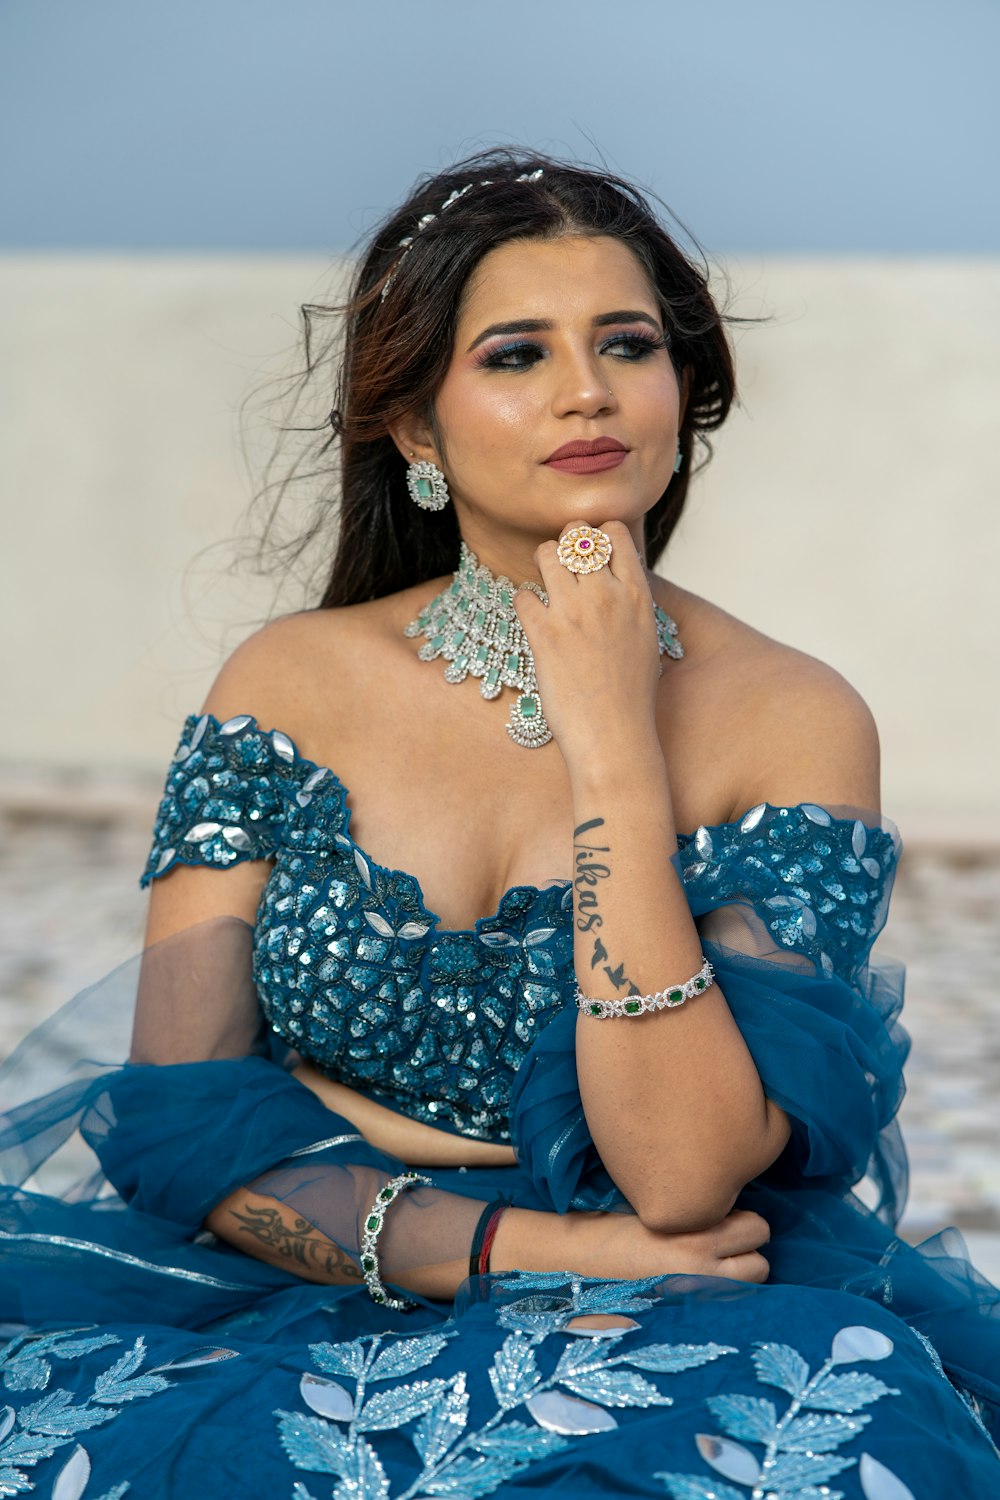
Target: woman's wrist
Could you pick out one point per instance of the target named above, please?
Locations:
(615, 760)
(529, 1239)
(525, 1239)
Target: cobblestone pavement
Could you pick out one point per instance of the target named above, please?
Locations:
(70, 909)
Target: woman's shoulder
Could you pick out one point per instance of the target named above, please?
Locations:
(282, 671)
(798, 729)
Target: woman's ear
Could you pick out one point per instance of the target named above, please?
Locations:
(415, 441)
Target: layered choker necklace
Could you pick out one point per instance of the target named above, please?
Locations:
(472, 625)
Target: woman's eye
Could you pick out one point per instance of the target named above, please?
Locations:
(633, 345)
(522, 355)
(511, 357)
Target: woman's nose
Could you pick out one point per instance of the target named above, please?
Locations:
(581, 388)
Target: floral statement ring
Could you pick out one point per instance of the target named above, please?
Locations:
(584, 549)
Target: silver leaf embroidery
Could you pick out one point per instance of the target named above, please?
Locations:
(514, 1372)
(326, 1398)
(40, 1428)
(379, 924)
(880, 1483)
(121, 1383)
(73, 1476)
(567, 1415)
(401, 1404)
(799, 1458)
(196, 1358)
(406, 1356)
(728, 1458)
(201, 831)
(283, 746)
(589, 1376)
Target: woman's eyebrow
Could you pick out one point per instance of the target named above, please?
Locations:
(543, 325)
(630, 315)
(522, 325)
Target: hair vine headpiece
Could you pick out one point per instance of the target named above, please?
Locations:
(426, 219)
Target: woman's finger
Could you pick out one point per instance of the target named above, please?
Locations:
(750, 1267)
(555, 573)
(557, 581)
(625, 562)
(742, 1231)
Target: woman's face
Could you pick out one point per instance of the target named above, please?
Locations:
(558, 342)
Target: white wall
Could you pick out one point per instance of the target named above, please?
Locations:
(851, 507)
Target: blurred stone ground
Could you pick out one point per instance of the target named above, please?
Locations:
(70, 910)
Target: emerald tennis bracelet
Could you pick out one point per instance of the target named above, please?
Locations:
(634, 1005)
(374, 1220)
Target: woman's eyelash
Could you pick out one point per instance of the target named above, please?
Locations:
(503, 357)
(496, 359)
(646, 341)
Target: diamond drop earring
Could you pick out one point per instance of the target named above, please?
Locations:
(427, 485)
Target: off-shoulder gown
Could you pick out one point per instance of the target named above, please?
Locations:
(140, 1355)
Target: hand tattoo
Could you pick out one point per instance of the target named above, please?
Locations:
(297, 1241)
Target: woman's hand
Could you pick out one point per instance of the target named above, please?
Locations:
(619, 1247)
(414, 1143)
(595, 648)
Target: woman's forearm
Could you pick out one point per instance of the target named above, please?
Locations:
(590, 1244)
(672, 1099)
(271, 1231)
(413, 1142)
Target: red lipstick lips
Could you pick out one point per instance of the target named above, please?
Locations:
(588, 458)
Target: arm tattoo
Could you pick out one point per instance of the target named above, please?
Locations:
(297, 1241)
(588, 871)
(620, 979)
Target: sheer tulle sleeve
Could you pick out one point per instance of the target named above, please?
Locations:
(205, 1104)
(789, 902)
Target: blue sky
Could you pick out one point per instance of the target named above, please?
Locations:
(861, 126)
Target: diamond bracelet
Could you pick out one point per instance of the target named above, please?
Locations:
(374, 1220)
(634, 1005)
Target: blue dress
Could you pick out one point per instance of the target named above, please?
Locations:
(139, 1354)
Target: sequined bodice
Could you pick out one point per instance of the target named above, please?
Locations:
(357, 974)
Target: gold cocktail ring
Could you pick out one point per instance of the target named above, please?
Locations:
(584, 549)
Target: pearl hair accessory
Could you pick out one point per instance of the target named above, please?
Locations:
(425, 219)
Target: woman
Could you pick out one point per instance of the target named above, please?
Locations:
(420, 1201)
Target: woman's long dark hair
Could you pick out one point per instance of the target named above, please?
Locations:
(398, 333)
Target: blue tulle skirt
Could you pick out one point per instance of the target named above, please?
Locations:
(141, 1351)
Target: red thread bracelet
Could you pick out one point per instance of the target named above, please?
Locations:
(490, 1236)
